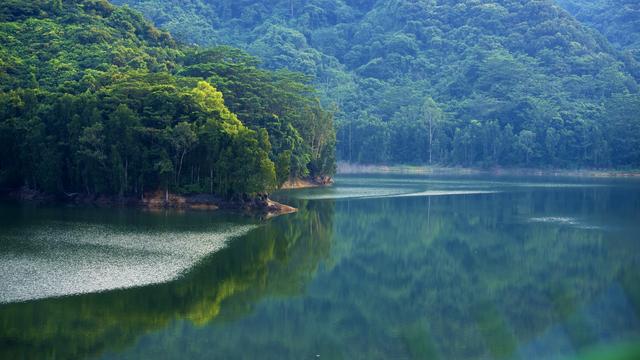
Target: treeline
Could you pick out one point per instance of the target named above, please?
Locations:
(429, 135)
(518, 83)
(94, 99)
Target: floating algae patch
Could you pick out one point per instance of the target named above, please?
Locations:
(65, 258)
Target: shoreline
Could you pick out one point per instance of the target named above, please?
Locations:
(346, 169)
(260, 205)
(306, 183)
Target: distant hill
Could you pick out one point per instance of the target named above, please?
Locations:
(618, 20)
(476, 82)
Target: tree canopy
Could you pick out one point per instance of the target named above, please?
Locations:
(520, 83)
(617, 20)
(95, 99)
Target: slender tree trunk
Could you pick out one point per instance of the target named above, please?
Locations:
(184, 152)
(350, 145)
(126, 173)
(430, 138)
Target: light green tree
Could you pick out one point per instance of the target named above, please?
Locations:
(433, 116)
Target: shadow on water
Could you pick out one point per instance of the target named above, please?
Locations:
(276, 259)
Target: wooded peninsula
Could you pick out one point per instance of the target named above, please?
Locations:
(95, 100)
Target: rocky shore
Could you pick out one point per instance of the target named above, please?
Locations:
(260, 204)
(306, 183)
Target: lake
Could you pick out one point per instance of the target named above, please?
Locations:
(375, 267)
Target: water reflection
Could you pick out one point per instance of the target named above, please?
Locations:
(276, 259)
(511, 272)
(458, 277)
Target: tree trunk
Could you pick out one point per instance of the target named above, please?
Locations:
(184, 152)
(430, 138)
(350, 145)
(126, 174)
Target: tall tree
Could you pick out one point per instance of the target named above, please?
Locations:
(433, 116)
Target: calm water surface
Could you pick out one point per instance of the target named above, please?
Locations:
(376, 267)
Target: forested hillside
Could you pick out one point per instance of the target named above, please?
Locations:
(465, 82)
(94, 99)
(618, 20)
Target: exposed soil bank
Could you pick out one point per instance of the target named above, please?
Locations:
(306, 183)
(346, 168)
(260, 204)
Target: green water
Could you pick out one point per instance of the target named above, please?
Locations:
(377, 267)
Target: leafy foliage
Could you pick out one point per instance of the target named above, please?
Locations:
(95, 99)
(520, 83)
(617, 20)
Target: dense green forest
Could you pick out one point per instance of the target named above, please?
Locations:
(618, 20)
(94, 99)
(464, 82)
